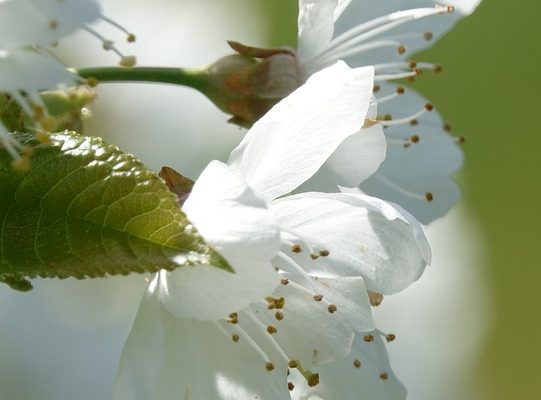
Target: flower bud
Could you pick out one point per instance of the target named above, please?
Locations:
(246, 85)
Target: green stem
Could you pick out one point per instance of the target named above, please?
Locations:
(191, 77)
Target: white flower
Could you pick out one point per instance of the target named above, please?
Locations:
(27, 30)
(22, 74)
(41, 23)
(421, 155)
(200, 336)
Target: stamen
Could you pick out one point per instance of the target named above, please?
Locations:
(246, 337)
(376, 44)
(130, 36)
(406, 120)
(296, 268)
(399, 91)
(260, 326)
(399, 189)
(404, 65)
(342, 45)
(125, 61)
(357, 363)
(398, 75)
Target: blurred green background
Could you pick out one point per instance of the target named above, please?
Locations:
(489, 91)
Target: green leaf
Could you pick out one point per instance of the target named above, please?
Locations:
(85, 209)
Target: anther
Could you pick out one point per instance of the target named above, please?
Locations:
(53, 24)
(274, 302)
(296, 248)
(269, 366)
(284, 281)
(368, 338)
(429, 196)
(92, 81)
(387, 117)
(131, 38)
(384, 376)
(324, 253)
(271, 330)
(461, 140)
(390, 337)
(447, 127)
(318, 297)
(235, 337)
(128, 61)
(414, 122)
(450, 9)
(401, 49)
(357, 363)
(429, 106)
(400, 90)
(437, 69)
(314, 256)
(415, 138)
(428, 36)
(28, 151)
(368, 122)
(21, 164)
(43, 137)
(332, 308)
(375, 298)
(376, 88)
(293, 364)
(290, 386)
(48, 123)
(279, 315)
(313, 380)
(233, 318)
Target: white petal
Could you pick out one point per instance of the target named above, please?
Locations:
(42, 22)
(411, 170)
(342, 5)
(356, 159)
(344, 380)
(364, 237)
(360, 11)
(315, 26)
(359, 156)
(291, 142)
(166, 358)
(29, 71)
(308, 332)
(238, 224)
